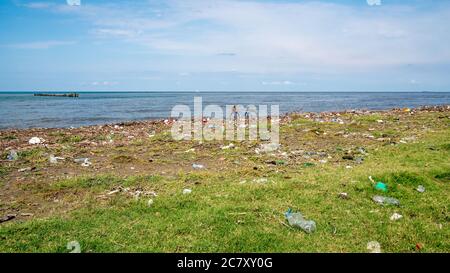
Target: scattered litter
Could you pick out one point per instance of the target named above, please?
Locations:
(343, 195)
(187, 191)
(276, 162)
(296, 220)
(359, 160)
(7, 217)
(190, 150)
(85, 162)
(267, 148)
(35, 140)
(348, 167)
(136, 192)
(26, 214)
(380, 121)
(27, 169)
(150, 202)
(114, 191)
(260, 180)
(348, 157)
(421, 189)
(74, 246)
(362, 150)
(419, 246)
(382, 200)
(54, 159)
(198, 166)
(396, 217)
(323, 161)
(374, 247)
(371, 179)
(229, 146)
(12, 155)
(381, 187)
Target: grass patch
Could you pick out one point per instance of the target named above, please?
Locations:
(70, 139)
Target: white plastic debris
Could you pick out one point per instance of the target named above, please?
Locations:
(343, 195)
(229, 146)
(198, 166)
(421, 189)
(35, 140)
(54, 159)
(187, 191)
(260, 180)
(374, 247)
(396, 217)
(267, 148)
(150, 202)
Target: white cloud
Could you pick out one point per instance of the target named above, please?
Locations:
(277, 83)
(266, 37)
(104, 83)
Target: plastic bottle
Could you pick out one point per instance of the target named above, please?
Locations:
(296, 220)
(382, 200)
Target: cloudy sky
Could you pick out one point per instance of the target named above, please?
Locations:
(225, 45)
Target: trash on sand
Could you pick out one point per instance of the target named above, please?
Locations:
(343, 195)
(54, 159)
(296, 220)
(7, 217)
(12, 155)
(374, 247)
(150, 202)
(381, 187)
(187, 191)
(382, 200)
(198, 166)
(35, 140)
(421, 189)
(396, 217)
(229, 146)
(267, 148)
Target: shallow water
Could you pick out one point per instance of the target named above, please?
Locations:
(23, 110)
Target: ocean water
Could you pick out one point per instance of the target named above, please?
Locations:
(23, 110)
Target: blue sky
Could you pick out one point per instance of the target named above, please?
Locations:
(225, 45)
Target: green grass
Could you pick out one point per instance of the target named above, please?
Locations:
(223, 214)
(70, 139)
